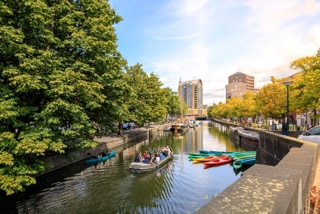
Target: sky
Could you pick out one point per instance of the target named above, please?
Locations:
(213, 39)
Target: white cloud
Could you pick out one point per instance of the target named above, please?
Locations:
(212, 39)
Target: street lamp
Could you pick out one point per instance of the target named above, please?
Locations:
(287, 83)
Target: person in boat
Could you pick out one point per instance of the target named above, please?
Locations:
(157, 158)
(165, 152)
(145, 154)
(138, 157)
(152, 151)
(147, 159)
(161, 155)
(169, 151)
(152, 159)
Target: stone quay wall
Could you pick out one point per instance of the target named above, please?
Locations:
(58, 161)
(280, 181)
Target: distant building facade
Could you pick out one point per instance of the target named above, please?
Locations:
(238, 84)
(191, 92)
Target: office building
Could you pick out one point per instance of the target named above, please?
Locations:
(238, 84)
(191, 92)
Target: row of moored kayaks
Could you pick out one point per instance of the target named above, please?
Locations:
(214, 158)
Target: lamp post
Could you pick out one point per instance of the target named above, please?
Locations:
(288, 83)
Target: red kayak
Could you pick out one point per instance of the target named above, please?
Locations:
(210, 158)
(219, 161)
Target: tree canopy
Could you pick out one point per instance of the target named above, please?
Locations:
(270, 100)
(63, 82)
(307, 84)
(59, 69)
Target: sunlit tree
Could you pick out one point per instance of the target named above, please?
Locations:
(306, 88)
(271, 100)
(249, 105)
(60, 71)
(150, 101)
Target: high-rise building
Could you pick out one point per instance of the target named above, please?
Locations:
(191, 93)
(238, 84)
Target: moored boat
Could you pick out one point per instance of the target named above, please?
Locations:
(248, 139)
(214, 152)
(178, 127)
(234, 132)
(197, 155)
(237, 164)
(219, 161)
(97, 160)
(210, 158)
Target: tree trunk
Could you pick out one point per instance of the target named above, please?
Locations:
(315, 119)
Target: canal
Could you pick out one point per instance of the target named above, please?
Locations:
(109, 187)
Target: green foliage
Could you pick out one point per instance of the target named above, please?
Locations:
(148, 102)
(307, 83)
(271, 100)
(60, 72)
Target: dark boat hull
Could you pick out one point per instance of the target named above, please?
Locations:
(249, 140)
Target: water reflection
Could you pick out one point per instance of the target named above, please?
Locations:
(109, 187)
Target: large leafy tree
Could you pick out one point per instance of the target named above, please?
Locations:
(306, 85)
(248, 105)
(148, 102)
(60, 71)
(173, 102)
(233, 108)
(271, 99)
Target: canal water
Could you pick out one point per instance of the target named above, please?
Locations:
(109, 187)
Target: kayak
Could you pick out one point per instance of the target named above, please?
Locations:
(197, 155)
(210, 158)
(237, 164)
(214, 152)
(97, 160)
(218, 162)
(217, 153)
(237, 157)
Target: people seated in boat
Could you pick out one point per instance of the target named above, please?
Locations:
(147, 159)
(145, 154)
(165, 152)
(152, 159)
(169, 151)
(157, 158)
(138, 157)
(152, 151)
(161, 155)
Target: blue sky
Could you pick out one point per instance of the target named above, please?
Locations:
(212, 39)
